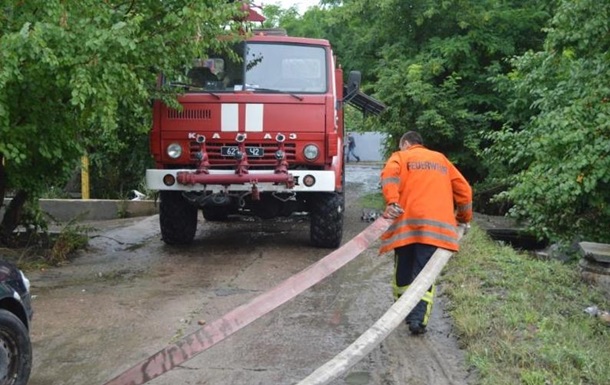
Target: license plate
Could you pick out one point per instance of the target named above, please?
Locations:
(252, 152)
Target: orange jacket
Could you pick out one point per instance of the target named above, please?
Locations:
(433, 194)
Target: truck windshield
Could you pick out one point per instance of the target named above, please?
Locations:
(285, 68)
(260, 67)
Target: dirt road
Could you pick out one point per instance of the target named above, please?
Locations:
(129, 296)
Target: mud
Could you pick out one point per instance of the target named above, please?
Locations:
(129, 295)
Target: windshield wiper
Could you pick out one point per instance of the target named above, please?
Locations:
(274, 91)
(180, 84)
(188, 86)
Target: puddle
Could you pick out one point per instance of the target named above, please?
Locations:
(365, 175)
(358, 378)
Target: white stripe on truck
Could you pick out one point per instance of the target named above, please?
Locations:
(229, 117)
(254, 117)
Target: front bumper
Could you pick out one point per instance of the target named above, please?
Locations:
(324, 181)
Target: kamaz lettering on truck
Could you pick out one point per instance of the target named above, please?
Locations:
(260, 133)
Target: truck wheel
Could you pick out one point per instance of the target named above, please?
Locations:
(178, 218)
(326, 220)
(15, 350)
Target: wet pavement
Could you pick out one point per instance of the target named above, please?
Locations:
(129, 295)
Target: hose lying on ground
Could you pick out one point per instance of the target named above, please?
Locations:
(371, 338)
(216, 331)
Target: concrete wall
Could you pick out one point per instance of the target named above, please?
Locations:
(93, 209)
(369, 146)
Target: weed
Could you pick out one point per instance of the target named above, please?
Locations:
(373, 201)
(72, 237)
(122, 209)
(37, 248)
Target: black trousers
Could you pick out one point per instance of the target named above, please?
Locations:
(408, 263)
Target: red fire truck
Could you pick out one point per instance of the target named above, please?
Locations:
(260, 133)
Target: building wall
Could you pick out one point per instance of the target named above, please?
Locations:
(369, 146)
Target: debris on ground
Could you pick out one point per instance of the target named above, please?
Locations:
(603, 315)
(370, 215)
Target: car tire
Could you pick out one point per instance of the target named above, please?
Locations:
(15, 350)
(177, 218)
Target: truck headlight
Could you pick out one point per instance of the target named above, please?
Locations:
(311, 152)
(174, 151)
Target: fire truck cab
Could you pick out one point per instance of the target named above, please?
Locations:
(260, 133)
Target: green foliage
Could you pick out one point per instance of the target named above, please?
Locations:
(118, 167)
(373, 201)
(435, 73)
(34, 217)
(36, 248)
(72, 73)
(554, 149)
(71, 238)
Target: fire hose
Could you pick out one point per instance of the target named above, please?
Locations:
(218, 330)
(386, 324)
(209, 335)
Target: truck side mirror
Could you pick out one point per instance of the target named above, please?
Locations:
(353, 82)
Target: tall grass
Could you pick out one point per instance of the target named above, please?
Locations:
(522, 320)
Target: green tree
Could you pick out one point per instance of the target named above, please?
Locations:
(554, 151)
(69, 71)
(437, 64)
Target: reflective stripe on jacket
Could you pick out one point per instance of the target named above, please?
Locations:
(433, 194)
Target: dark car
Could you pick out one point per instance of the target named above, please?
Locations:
(15, 317)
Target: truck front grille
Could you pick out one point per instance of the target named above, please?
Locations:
(198, 114)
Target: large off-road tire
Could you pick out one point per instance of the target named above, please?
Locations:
(177, 217)
(326, 219)
(15, 350)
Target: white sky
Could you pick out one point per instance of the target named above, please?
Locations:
(302, 5)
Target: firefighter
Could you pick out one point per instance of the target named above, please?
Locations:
(425, 195)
